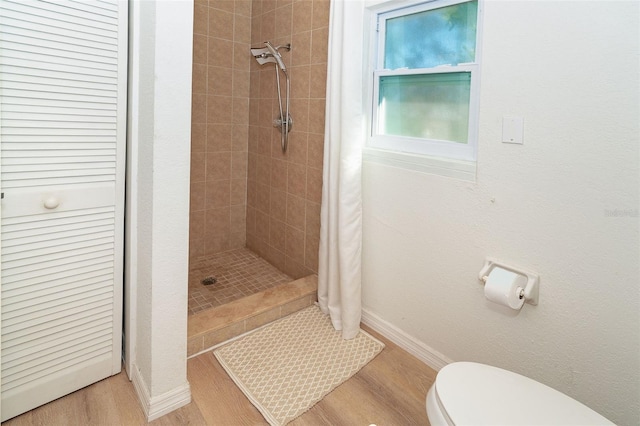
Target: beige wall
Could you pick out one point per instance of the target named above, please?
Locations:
(548, 206)
(222, 32)
(244, 190)
(284, 190)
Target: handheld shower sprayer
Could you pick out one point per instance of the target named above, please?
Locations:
(274, 52)
(270, 54)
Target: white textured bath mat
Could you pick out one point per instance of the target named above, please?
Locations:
(288, 366)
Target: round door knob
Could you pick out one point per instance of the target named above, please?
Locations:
(51, 203)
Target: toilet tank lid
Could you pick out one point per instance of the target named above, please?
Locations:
(479, 394)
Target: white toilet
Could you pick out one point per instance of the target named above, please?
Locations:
(468, 393)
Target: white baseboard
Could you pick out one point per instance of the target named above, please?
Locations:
(423, 352)
(158, 406)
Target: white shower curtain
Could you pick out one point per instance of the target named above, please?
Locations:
(339, 272)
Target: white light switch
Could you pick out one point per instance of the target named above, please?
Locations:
(512, 129)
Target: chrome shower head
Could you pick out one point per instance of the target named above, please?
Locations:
(269, 54)
(274, 52)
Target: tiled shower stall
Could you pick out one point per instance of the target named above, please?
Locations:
(244, 191)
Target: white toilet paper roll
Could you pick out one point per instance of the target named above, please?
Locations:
(504, 287)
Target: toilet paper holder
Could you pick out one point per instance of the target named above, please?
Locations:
(531, 290)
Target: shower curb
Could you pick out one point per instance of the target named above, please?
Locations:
(209, 328)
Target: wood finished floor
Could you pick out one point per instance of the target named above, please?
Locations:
(390, 390)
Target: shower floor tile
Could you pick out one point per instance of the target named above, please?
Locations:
(238, 273)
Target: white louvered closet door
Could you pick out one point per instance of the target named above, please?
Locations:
(62, 145)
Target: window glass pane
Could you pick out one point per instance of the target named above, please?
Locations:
(430, 106)
(434, 37)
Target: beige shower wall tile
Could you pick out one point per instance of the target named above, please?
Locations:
(252, 146)
(300, 114)
(198, 108)
(318, 81)
(282, 3)
(219, 137)
(242, 56)
(197, 196)
(300, 48)
(218, 194)
(252, 172)
(277, 234)
(300, 82)
(312, 220)
(238, 219)
(279, 174)
(297, 150)
(251, 220)
(319, 45)
(296, 180)
(316, 115)
(219, 166)
(263, 198)
(217, 222)
(278, 208)
(302, 15)
(264, 170)
(295, 268)
(199, 78)
(268, 30)
(240, 113)
(314, 185)
(198, 137)
(243, 7)
(241, 29)
(196, 233)
(254, 84)
(218, 52)
(198, 167)
(311, 248)
(315, 152)
(262, 226)
(237, 240)
(320, 13)
(219, 109)
(276, 257)
(265, 116)
(225, 5)
(200, 19)
(256, 37)
(219, 81)
(296, 211)
(239, 161)
(220, 24)
(238, 192)
(294, 244)
(267, 83)
(268, 5)
(252, 193)
(241, 84)
(240, 138)
(283, 21)
(200, 48)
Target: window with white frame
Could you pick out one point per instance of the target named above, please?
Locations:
(426, 79)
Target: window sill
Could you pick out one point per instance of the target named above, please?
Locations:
(458, 169)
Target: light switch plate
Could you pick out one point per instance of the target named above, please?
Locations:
(512, 129)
